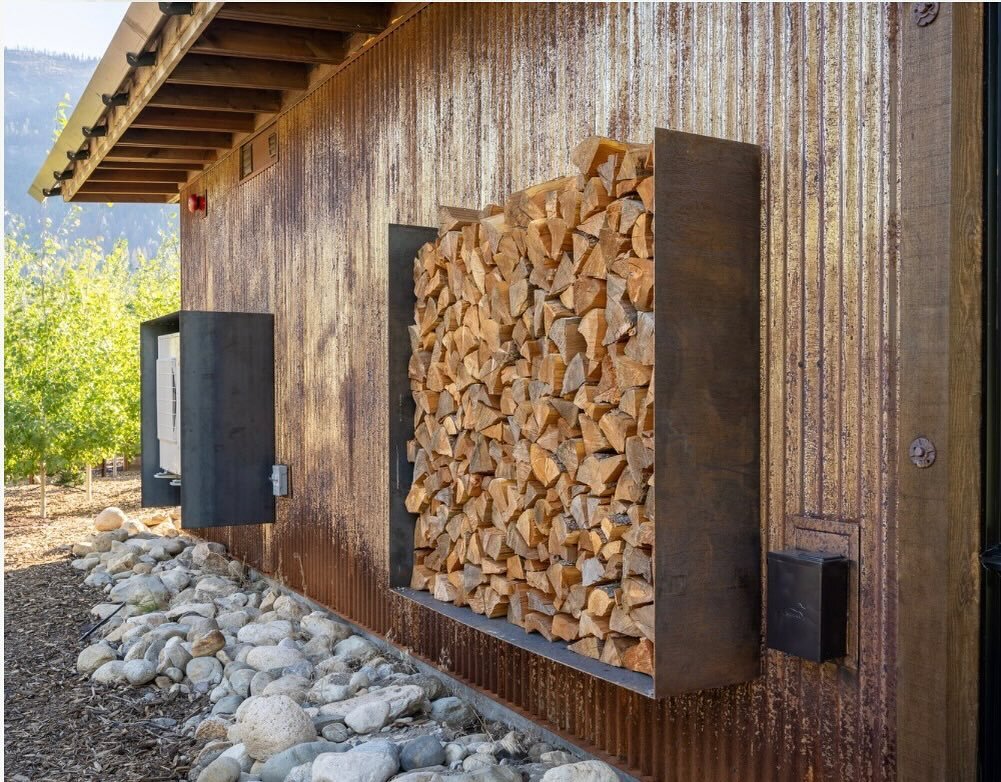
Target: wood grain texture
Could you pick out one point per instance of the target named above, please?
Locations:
(465, 104)
(707, 553)
(940, 388)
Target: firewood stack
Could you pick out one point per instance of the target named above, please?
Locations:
(532, 372)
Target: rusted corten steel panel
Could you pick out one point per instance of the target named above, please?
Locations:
(465, 103)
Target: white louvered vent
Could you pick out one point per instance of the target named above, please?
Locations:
(168, 402)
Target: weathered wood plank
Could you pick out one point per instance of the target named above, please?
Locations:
(146, 154)
(181, 119)
(138, 175)
(210, 71)
(183, 96)
(271, 42)
(345, 17)
(939, 396)
(176, 139)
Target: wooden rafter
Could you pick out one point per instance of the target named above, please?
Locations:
(176, 139)
(124, 198)
(183, 96)
(182, 119)
(138, 175)
(146, 154)
(344, 17)
(134, 188)
(207, 70)
(267, 42)
(126, 165)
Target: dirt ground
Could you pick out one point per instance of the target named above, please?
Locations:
(58, 726)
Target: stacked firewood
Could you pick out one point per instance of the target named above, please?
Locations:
(532, 372)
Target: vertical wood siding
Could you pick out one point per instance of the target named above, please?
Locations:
(466, 103)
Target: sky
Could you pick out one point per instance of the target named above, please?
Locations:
(82, 27)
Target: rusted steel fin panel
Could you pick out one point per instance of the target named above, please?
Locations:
(707, 411)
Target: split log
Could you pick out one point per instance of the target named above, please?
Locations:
(531, 369)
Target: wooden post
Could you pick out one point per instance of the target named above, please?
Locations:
(89, 478)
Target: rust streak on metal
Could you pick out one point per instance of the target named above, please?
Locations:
(463, 104)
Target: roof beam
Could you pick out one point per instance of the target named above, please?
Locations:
(176, 139)
(124, 198)
(147, 154)
(343, 17)
(134, 188)
(182, 96)
(207, 70)
(178, 176)
(267, 42)
(181, 119)
(171, 40)
(148, 165)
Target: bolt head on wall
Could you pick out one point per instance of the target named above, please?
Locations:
(922, 452)
(924, 13)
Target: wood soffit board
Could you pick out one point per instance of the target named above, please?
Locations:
(222, 73)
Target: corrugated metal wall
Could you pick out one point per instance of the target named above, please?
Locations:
(465, 103)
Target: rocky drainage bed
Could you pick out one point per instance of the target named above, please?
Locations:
(280, 692)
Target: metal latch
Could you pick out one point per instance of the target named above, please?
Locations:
(279, 480)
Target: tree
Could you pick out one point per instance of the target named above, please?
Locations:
(72, 347)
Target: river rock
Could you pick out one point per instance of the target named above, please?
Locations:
(112, 672)
(279, 766)
(266, 633)
(173, 655)
(143, 591)
(422, 752)
(354, 648)
(240, 680)
(400, 700)
(289, 608)
(121, 561)
(211, 729)
(110, 519)
(139, 672)
(368, 717)
(208, 560)
(233, 620)
(206, 671)
(208, 644)
(271, 724)
(222, 769)
(332, 687)
(354, 766)
(269, 658)
(94, 656)
(98, 579)
(335, 731)
(292, 684)
(227, 704)
(452, 711)
(477, 761)
(587, 771)
(175, 579)
(212, 587)
(317, 624)
(157, 518)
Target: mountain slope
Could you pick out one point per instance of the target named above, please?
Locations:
(34, 84)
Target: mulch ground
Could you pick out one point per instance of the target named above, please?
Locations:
(58, 726)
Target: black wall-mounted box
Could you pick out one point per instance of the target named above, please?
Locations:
(225, 417)
(807, 604)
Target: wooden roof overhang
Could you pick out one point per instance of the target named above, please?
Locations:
(212, 74)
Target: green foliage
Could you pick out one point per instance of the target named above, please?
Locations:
(71, 346)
